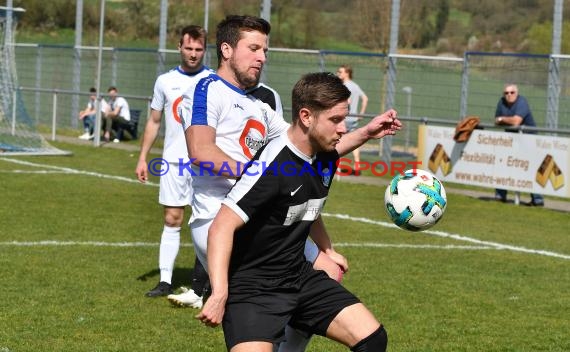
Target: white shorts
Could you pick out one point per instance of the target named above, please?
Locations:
(199, 232)
(175, 190)
(311, 251)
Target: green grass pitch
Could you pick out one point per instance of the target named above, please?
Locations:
(79, 248)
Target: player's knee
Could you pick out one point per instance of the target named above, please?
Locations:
(173, 217)
(377, 342)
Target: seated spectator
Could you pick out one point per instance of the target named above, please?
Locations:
(117, 114)
(88, 116)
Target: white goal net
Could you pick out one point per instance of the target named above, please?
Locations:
(18, 135)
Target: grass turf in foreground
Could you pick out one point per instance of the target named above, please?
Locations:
(84, 297)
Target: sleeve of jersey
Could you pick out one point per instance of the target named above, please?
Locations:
(254, 191)
(278, 103)
(157, 102)
(359, 90)
(199, 105)
(277, 125)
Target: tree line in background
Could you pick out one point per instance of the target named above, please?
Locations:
(426, 26)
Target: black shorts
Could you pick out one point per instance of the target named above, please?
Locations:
(260, 311)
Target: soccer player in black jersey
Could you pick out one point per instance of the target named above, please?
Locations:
(260, 278)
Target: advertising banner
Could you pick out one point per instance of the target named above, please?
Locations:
(527, 163)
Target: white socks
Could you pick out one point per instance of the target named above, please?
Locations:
(169, 245)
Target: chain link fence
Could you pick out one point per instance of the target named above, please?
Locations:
(425, 88)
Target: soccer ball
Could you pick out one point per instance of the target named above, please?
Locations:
(416, 200)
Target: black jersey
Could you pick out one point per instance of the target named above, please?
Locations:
(278, 197)
(265, 95)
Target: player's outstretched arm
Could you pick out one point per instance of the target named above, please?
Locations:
(220, 244)
(150, 133)
(380, 126)
(204, 153)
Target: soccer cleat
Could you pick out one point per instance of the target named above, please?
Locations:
(85, 136)
(188, 298)
(162, 289)
(116, 140)
(498, 198)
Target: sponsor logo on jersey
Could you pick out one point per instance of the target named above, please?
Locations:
(307, 211)
(175, 110)
(253, 137)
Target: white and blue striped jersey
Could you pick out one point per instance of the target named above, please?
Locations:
(243, 125)
(167, 96)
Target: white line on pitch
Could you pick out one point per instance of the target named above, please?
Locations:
(150, 244)
(35, 172)
(455, 237)
(339, 216)
(75, 171)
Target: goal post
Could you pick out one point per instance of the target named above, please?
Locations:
(18, 135)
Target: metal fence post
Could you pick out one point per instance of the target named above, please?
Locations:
(162, 36)
(386, 142)
(77, 62)
(464, 87)
(553, 92)
(54, 115)
(14, 100)
(114, 65)
(39, 65)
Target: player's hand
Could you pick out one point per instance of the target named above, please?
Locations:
(141, 171)
(339, 259)
(213, 311)
(384, 125)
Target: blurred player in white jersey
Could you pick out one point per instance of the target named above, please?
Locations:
(175, 190)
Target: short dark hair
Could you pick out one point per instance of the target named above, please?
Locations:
(92, 90)
(348, 69)
(229, 30)
(317, 92)
(112, 88)
(195, 32)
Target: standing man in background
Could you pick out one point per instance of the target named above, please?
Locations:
(513, 110)
(175, 190)
(344, 72)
